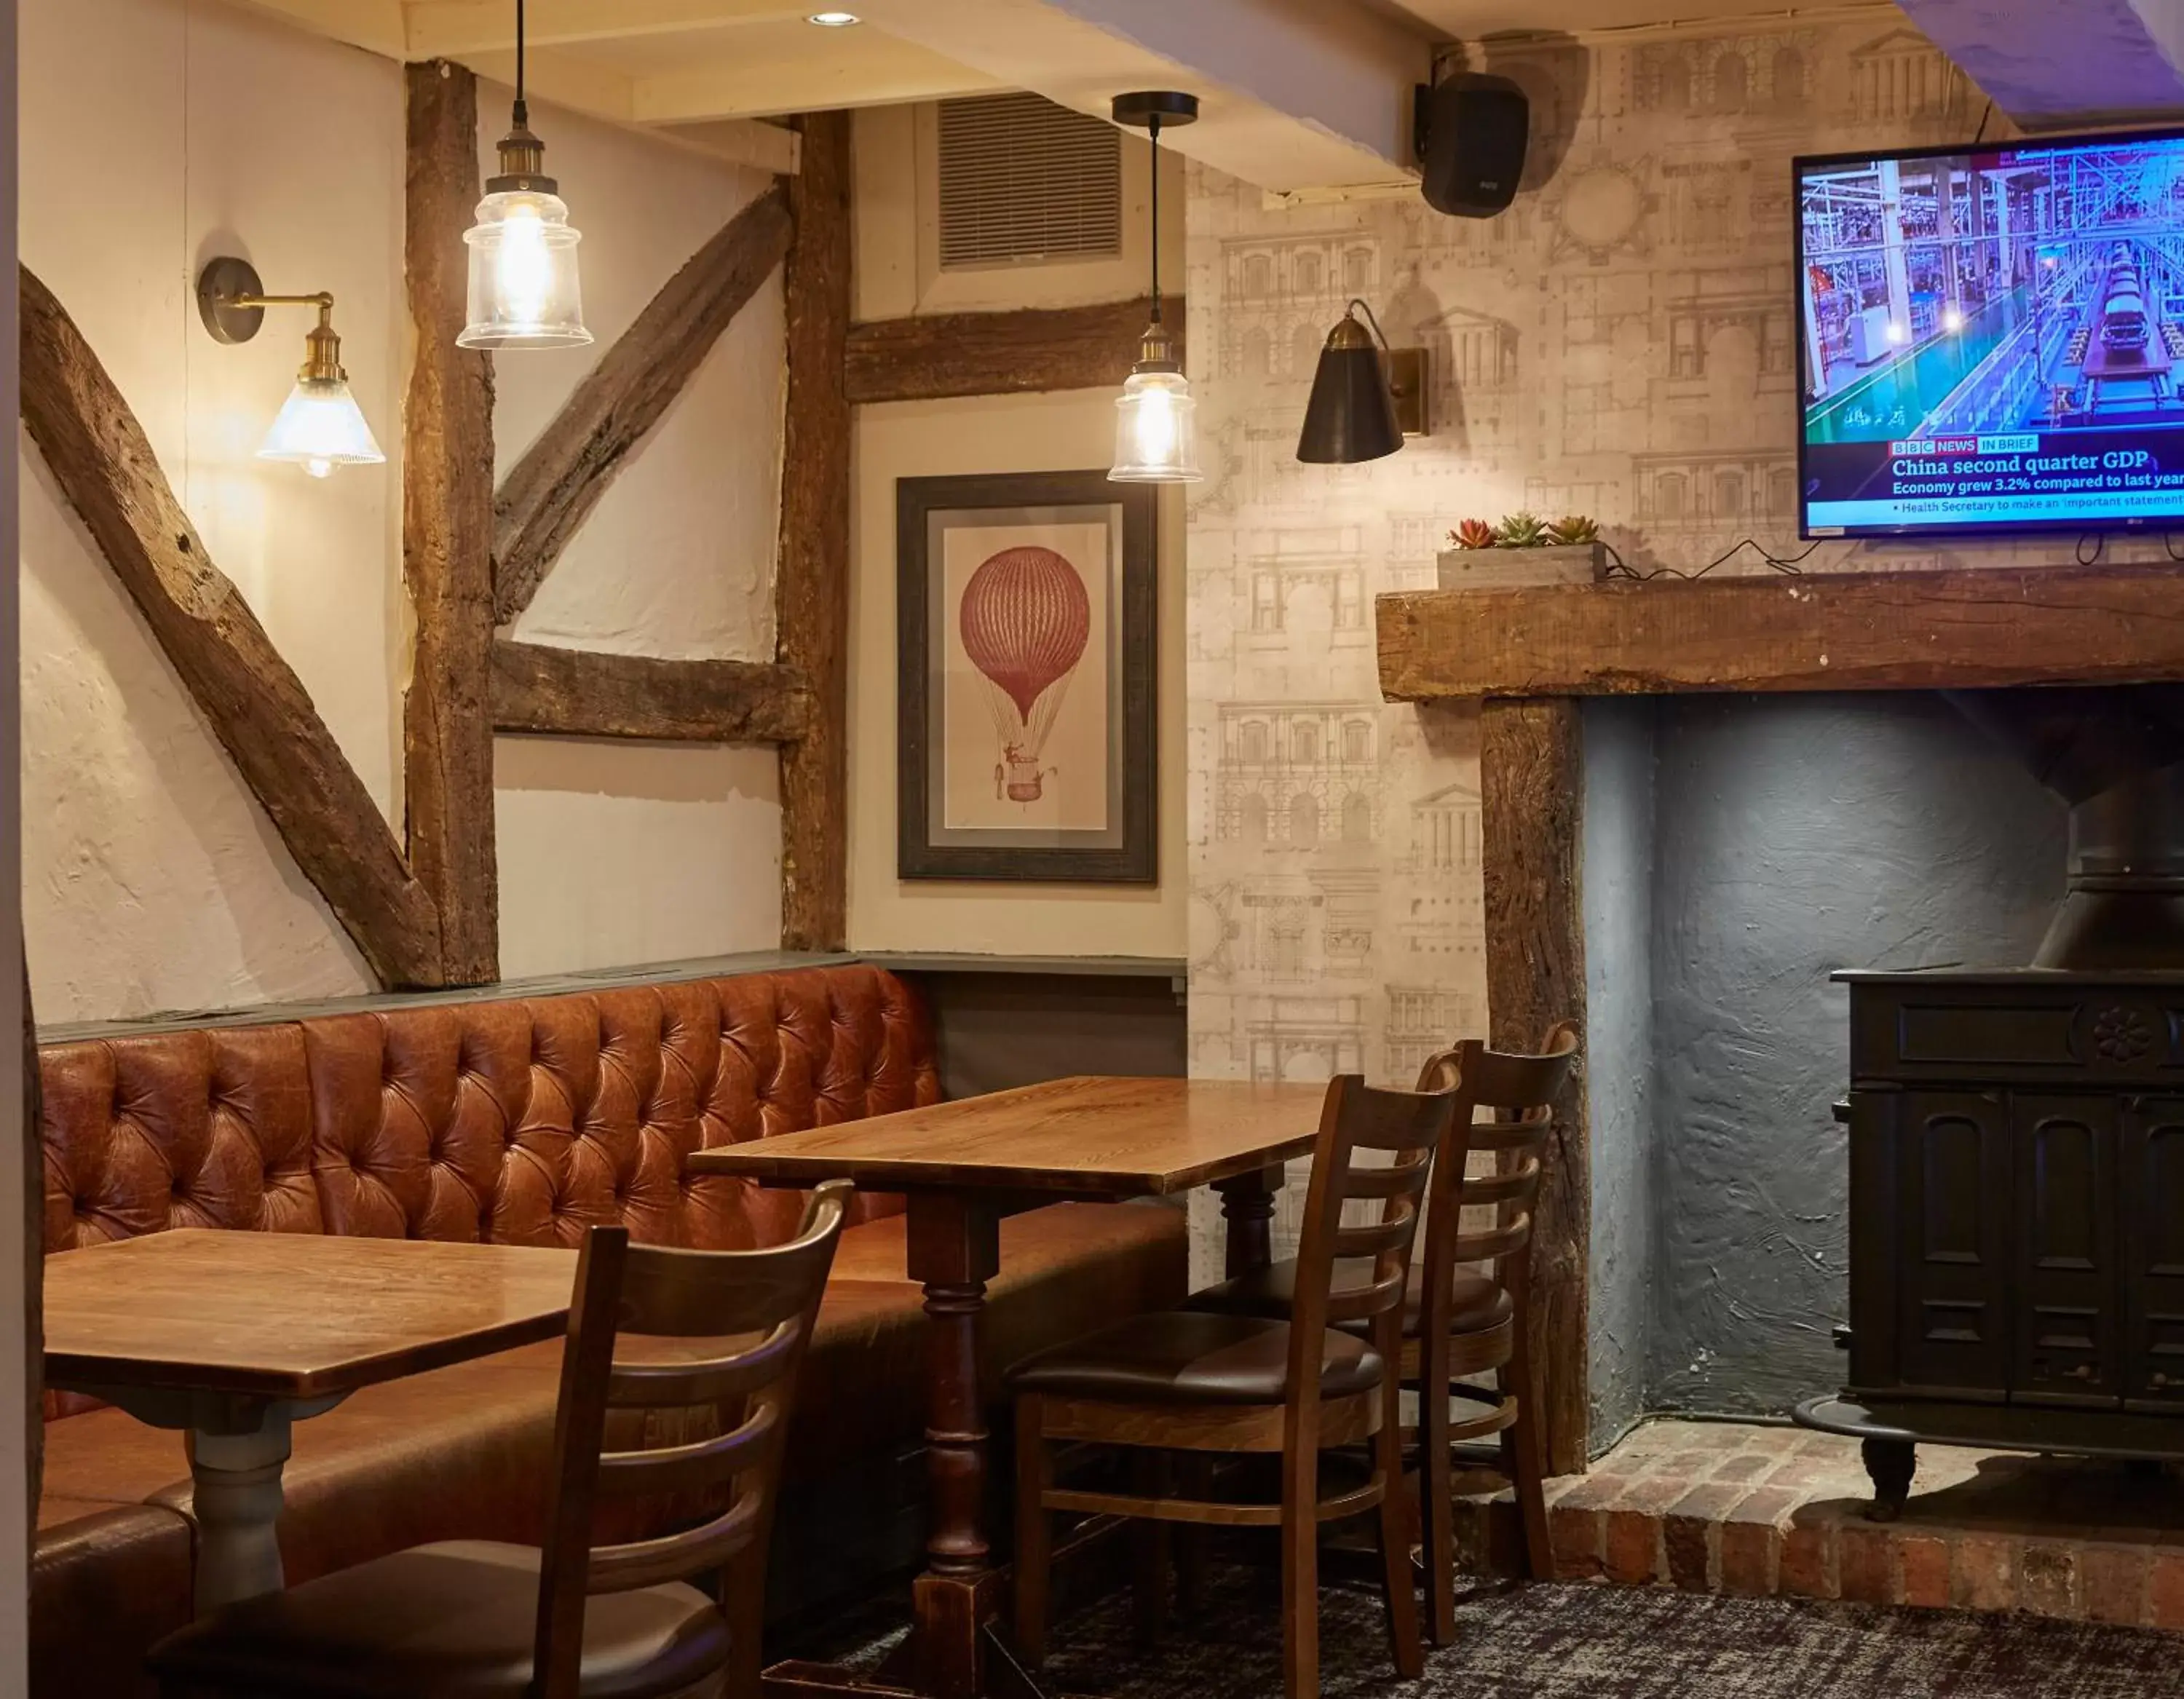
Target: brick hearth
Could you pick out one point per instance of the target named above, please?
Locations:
(1729, 1508)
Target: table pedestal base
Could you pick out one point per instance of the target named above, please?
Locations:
(236, 1498)
(956, 1651)
(238, 1448)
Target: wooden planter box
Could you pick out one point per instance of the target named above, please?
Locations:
(1481, 569)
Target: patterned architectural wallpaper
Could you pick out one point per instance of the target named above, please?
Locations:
(1621, 342)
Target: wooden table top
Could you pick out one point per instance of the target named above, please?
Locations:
(295, 1315)
(1087, 1136)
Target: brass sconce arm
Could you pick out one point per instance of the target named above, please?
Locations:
(232, 303)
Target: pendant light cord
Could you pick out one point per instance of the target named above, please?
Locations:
(522, 111)
(1155, 127)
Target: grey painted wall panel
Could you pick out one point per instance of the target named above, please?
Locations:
(1798, 835)
(1618, 1054)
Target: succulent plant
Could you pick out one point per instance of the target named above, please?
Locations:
(1572, 528)
(1473, 533)
(1521, 530)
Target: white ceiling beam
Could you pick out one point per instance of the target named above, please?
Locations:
(455, 29)
(705, 92)
(1296, 93)
(378, 26)
(723, 74)
(2050, 64)
(1340, 68)
(564, 79)
(741, 142)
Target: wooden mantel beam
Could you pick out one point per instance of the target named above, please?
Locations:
(931, 357)
(1969, 628)
(568, 692)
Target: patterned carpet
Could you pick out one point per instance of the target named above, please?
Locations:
(1605, 1642)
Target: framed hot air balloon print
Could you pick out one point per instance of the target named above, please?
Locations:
(1026, 644)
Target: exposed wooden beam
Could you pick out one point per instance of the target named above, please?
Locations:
(1532, 817)
(1975, 628)
(582, 693)
(811, 591)
(930, 357)
(251, 697)
(553, 487)
(447, 536)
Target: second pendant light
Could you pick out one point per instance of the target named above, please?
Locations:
(1156, 436)
(523, 291)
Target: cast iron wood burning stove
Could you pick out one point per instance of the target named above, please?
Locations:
(2017, 1139)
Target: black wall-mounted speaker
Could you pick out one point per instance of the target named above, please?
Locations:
(1472, 130)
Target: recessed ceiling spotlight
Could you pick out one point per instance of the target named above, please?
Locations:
(834, 20)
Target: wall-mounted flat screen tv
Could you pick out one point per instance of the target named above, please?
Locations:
(1992, 338)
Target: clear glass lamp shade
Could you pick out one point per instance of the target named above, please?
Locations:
(320, 426)
(523, 286)
(1156, 438)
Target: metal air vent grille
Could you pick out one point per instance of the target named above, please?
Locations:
(1023, 178)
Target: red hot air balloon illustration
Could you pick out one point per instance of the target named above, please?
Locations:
(1025, 620)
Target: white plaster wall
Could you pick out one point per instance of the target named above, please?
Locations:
(896, 275)
(620, 852)
(677, 559)
(613, 853)
(155, 133)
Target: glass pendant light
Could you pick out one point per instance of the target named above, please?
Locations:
(319, 427)
(1156, 435)
(523, 286)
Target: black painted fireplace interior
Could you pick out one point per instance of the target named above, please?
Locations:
(1739, 853)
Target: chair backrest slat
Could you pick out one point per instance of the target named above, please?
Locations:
(754, 1311)
(1409, 1127)
(1526, 1133)
(668, 1383)
(1377, 1239)
(1377, 1183)
(1521, 1091)
(647, 1562)
(1361, 1303)
(664, 1469)
(1516, 1185)
(1493, 1244)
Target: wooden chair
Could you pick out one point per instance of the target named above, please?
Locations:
(1470, 1323)
(491, 1621)
(1457, 1322)
(1199, 1384)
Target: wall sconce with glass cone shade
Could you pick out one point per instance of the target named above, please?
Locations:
(524, 291)
(1156, 435)
(319, 427)
(1366, 396)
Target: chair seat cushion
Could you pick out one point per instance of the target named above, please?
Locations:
(1183, 1356)
(453, 1621)
(1478, 1303)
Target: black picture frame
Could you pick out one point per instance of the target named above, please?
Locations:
(1127, 852)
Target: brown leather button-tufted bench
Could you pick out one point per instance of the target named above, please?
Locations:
(522, 1121)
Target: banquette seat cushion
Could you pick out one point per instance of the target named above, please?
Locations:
(522, 1121)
